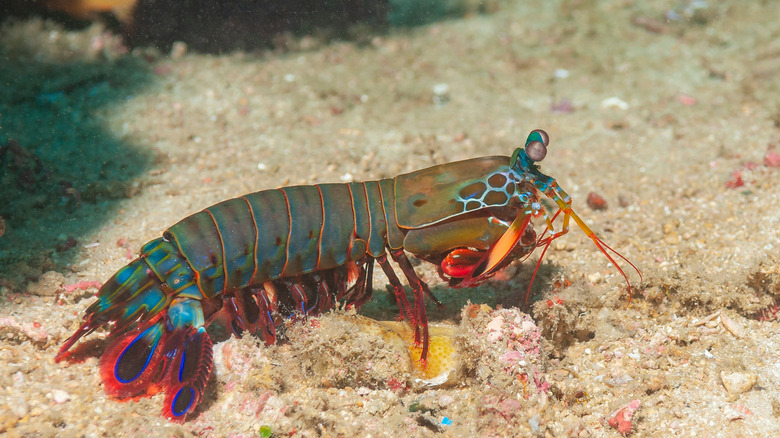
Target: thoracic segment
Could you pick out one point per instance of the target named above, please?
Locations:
(494, 190)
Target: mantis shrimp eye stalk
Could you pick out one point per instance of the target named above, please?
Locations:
(536, 145)
(536, 151)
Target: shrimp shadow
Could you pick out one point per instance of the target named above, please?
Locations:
(86, 349)
(509, 292)
(63, 173)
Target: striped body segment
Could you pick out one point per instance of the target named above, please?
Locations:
(249, 240)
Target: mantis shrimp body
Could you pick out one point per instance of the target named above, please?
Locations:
(255, 259)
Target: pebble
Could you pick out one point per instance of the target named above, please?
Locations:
(441, 94)
(596, 201)
(620, 380)
(59, 396)
(732, 326)
(594, 278)
(736, 412)
(445, 400)
(33, 331)
(738, 383)
(672, 238)
(614, 102)
(655, 383)
(441, 89)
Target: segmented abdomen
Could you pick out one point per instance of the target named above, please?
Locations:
(274, 234)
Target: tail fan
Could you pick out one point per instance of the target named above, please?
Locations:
(131, 364)
(187, 371)
(173, 353)
(158, 339)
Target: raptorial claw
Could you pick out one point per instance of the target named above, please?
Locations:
(493, 258)
(461, 262)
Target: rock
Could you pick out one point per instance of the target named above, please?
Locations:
(49, 283)
(738, 383)
(732, 326)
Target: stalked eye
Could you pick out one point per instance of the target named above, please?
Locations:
(536, 151)
(540, 136)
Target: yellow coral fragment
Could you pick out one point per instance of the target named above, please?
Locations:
(441, 353)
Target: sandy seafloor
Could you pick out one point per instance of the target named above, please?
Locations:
(654, 115)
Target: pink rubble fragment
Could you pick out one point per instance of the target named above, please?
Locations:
(621, 419)
(687, 99)
(564, 106)
(509, 406)
(772, 158)
(736, 412)
(512, 356)
(81, 285)
(735, 180)
(494, 328)
(33, 331)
